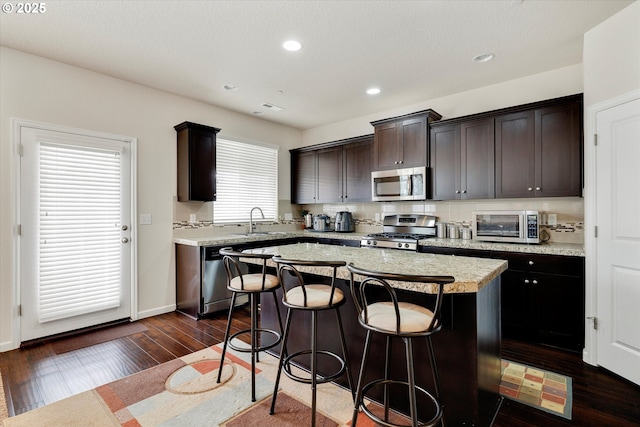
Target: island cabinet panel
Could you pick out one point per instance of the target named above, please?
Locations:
(196, 162)
(539, 152)
(401, 142)
(462, 160)
(332, 172)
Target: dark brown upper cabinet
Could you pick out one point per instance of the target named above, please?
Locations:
(462, 160)
(196, 162)
(539, 151)
(401, 142)
(339, 171)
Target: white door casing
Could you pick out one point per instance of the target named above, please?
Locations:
(28, 137)
(617, 245)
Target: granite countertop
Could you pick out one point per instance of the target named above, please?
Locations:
(566, 249)
(471, 274)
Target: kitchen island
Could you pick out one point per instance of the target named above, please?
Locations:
(467, 348)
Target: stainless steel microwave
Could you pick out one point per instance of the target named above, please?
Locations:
(399, 184)
(507, 226)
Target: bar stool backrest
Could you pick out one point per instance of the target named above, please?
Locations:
(288, 267)
(380, 279)
(234, 267)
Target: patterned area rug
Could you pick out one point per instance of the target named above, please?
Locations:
(184, 392)
(538, 388)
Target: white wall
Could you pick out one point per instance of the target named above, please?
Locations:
(37, 89)
(611, 57)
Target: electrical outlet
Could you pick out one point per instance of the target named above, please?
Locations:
(377, 217)
(552, 219)
(192, 218)
(288, 216)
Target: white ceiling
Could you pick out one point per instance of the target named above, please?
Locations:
(413, 50)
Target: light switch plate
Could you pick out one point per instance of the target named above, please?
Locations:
(145, 219)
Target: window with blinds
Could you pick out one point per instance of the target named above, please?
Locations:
(247, 176)
(79, 242)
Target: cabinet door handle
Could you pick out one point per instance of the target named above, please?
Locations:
(538, 188)
(526, 281)
(464, 191)
(534, 281)
(529, 189)
(457, 191)
(530, 262)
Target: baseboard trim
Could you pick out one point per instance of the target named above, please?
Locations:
(156, 311)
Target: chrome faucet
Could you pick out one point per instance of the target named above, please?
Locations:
(251, 224)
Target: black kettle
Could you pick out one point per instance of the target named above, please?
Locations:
(344, 222)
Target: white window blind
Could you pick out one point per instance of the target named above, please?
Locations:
(247, 176)
(79, 241)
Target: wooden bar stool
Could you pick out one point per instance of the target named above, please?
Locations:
(393, 318)
(252, 284)
(301, 296)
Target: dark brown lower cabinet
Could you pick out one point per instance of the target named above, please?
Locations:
(542, 296)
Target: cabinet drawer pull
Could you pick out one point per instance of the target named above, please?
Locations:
(530, 262)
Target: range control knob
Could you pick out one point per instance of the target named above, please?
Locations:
(406, 245)
(399, 245)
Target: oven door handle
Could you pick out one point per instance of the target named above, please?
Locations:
(410, 186)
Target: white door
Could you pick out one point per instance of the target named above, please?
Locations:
(618, 239)
(75, 216)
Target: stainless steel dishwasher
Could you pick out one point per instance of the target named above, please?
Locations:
(201, 281)
(215, 296)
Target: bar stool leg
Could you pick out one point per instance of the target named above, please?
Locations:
(254, 343)
(314, 365)
(358, 400)
(283, 352)
(387, 375)
(226, 335)
(412, 384)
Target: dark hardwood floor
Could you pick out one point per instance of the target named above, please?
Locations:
(36, 376)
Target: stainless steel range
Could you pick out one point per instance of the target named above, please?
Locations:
(402, 232)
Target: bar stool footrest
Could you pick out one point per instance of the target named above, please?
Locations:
(255, 349)
(319, 379)
(435, 420)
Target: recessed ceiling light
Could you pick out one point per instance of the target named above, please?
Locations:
(373, 91)
(230, 87)
(291, 45)
(485, 57)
